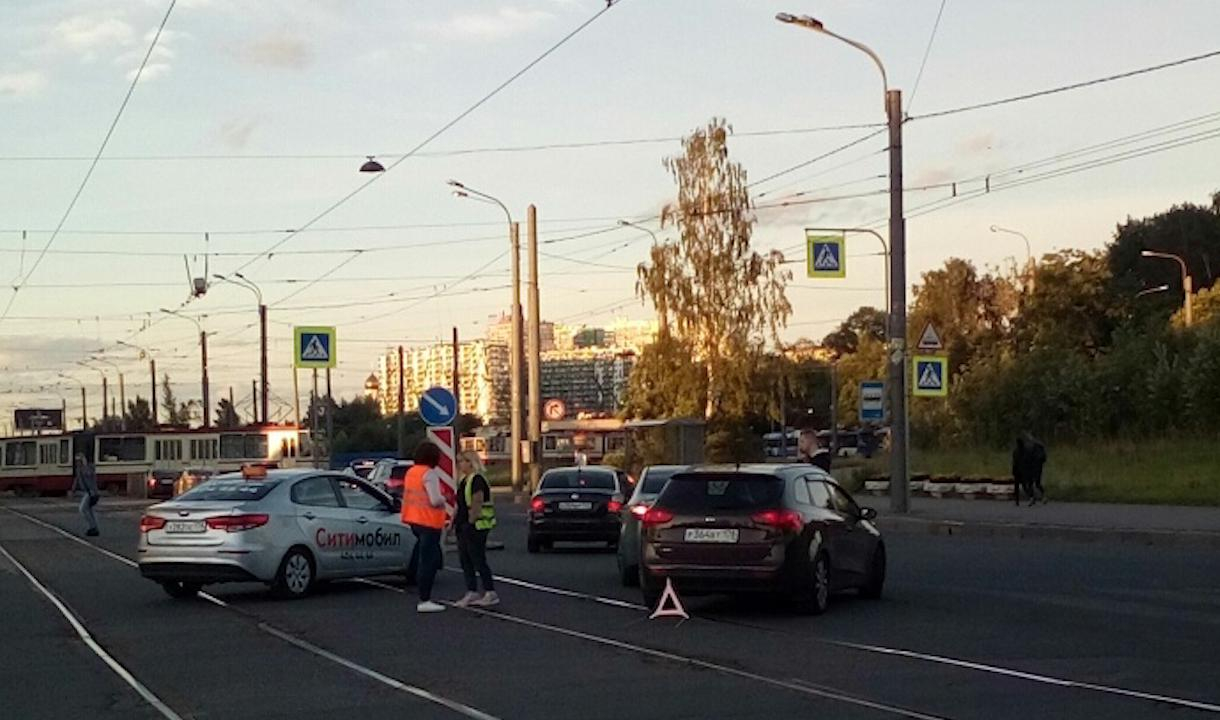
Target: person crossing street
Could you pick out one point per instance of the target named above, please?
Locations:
(476, 516)
(84, 480)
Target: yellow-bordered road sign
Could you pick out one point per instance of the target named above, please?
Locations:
(314, 347)
(931, 376)
(825, 255)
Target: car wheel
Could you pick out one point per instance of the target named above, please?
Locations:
(876, 575)
(295, 577)
(628, 575)
(814, 595)
(531, 544)
(180, 590)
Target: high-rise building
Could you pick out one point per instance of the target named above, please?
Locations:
(500, 332)
(592, 381)
(633, 335)
(483, 369)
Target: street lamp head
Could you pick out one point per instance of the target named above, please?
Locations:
(624, 223)
(785, 17)
(456, 184)
(218, 276)
(811, 23)
(461, 194)
(371, 166)
(1147, 253)
(995, 228)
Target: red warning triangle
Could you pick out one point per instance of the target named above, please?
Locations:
(669, 605)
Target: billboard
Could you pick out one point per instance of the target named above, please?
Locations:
(38, 419)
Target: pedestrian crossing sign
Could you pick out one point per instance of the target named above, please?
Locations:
(824, 255)
(931, 376)
(314, 347)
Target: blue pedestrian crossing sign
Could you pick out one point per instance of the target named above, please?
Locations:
(314, 347)
(438, 406)
(824, 255)
(931, 376)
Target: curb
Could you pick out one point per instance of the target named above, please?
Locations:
(1173, 538)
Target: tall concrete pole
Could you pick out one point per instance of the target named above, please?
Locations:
(207, 392)
(105, 398)
(899, 463)
(535, 355)
(254, 401)
(457, 372)
(262, 341)
(515, 364)
(122, 401)
(402, 407)
(152, 371)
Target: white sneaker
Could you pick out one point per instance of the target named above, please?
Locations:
(490, 599)
(429, 607)
(467, 599)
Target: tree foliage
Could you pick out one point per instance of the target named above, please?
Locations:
(139, 415)
(711, 289)
(175, 413)
(866, 322)
(227, 417)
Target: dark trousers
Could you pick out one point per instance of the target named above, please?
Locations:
(426, 559)
(472, 551)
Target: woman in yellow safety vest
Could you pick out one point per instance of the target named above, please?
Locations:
(423, 509)
(476, 516)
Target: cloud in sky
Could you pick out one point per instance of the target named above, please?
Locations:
(87, 35)
(281, 50)
(235, 134)
(17, 84)
(493, 25)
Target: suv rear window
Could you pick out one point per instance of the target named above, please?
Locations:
(709, 492)
(577, 480)
(227, 490)
(656, 478)
(399, 472)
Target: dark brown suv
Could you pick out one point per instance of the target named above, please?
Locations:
(785, 529)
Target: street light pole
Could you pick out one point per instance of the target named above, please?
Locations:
(885, 253)
(249, 284)
(105, 388)
(1029, 255)
(122, 390)
(203, 363)
(662, 311)
(899, 467)
(152, 373)
(84, 409)
(1187, 282)
(515, 362)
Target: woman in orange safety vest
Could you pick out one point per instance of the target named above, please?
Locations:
(423, 509)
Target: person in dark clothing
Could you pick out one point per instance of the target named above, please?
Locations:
(84, 480)
(475, 517)
(1027, 460)
(809, 451)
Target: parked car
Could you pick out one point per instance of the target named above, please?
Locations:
(160, 483)
(789, 530)
(190, 478)
(388, 476)
(652, 480)
(578, 504)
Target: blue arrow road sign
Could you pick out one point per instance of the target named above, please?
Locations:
(437, 406)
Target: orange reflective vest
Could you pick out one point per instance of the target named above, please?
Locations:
(416, 508)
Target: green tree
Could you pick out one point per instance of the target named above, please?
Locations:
(710, 288)
(139, 415)
(666, 382)
(972, 312)
(867, 363)
(176, 414)
(226, 415)
(1073, 306)
(866, 322)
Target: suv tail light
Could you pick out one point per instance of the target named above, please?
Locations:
(537, 504)
(656, 516)
(237, 523)
(614, 507)
(639, 510)
(151, 522)
(780, 519)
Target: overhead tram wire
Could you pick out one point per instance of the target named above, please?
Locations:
(441, 131)
(114, 123)
(926, 53)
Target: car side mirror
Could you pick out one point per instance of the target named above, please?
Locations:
(868, 513)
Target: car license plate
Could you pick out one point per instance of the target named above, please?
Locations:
(710, 535)
(575, 506)
(184, 526)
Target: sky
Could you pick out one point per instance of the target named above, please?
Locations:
(252, 119)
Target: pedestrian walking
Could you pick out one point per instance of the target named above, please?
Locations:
(476, 516)
(1028, 458)
(84, 480)
(808, 450)
(423, 509)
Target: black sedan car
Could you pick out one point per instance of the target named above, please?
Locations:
(652, 480)
(576, 504)
(783, 529)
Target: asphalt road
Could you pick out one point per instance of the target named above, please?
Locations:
(969, 628)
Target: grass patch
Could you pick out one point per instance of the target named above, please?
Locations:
(1162, 472)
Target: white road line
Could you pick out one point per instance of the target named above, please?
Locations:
(92, 644)
(305, 645)
(898, 652)
(825, 694)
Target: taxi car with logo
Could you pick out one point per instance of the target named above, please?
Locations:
(285, 528)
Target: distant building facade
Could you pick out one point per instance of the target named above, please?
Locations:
(590, 382)
(482, 367)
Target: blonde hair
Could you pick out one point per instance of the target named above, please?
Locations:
(472, 457)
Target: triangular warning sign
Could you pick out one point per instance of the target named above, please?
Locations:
(929, 339)
(669, 605)
(929, 377)
(827, 258)
(315, 350)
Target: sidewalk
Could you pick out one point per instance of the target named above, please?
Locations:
(1142, 524)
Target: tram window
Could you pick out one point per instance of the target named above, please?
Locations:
(615, 442)
(19, 453)
(65, 452)
(232, 446)
(496, 444)
(549, 442)
(46, 454)
(256, 446)
(121, 449)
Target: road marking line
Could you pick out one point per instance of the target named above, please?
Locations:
(898, 652)
(305, 645)
(805, 689)
(92, 644)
